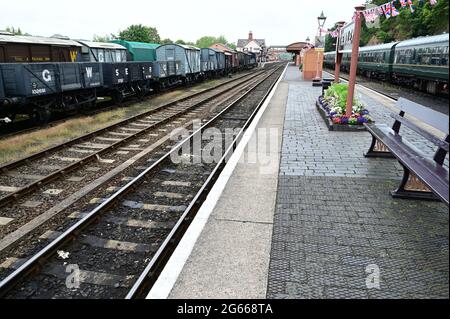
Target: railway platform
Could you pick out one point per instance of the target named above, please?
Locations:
(314, 221)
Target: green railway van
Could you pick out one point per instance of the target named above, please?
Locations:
(139, 51)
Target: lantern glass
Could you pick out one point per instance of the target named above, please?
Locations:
(322, 18)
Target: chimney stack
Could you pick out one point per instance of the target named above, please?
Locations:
(250, 36)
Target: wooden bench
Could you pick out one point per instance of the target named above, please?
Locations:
(424, 178)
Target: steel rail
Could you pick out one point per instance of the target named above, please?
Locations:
(154, 268)
(17, 163)
(63, 171)
(36, 262)
(71, 115)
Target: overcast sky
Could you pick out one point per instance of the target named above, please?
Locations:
(280, 22)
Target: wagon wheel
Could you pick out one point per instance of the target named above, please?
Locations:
(40, 116)
(118, 97)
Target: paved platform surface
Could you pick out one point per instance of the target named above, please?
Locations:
(310, 223)
(335, 217)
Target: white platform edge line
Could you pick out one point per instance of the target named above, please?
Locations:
(168, 277)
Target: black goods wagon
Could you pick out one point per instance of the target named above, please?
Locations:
(209, 63)
(28, 49)
(41, 89)
(220, 60)
(252, 59)
(241, 60)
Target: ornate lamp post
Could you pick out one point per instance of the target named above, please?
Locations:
(308, 40)
(321, 19)
(354, 62)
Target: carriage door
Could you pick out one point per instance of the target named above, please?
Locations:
(2, 55)
(170, 53)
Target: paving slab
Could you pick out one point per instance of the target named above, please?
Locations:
(335, 221)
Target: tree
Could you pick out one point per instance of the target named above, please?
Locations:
(14, 31)
(207, 41)
(99, 38)
(330, 42)
(166, 41)
(180, 42)
(426, 20)
(140, 33)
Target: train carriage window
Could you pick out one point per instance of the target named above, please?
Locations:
(444, 59)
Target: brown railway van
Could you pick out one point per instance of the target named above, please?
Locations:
(26, 49)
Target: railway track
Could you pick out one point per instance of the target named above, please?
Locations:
(394, 92)
(27, 126)
(44, 183)
(15, 177)
(120, 245)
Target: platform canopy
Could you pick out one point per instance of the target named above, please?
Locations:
(296, 47)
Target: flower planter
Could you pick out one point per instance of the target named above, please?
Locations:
(332, 110)
(337, 127)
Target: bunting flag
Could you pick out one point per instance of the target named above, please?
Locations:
(387, 10)
(412, 7)
(390, 10)
(394, 11)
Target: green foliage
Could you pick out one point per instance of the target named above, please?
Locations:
(330, 42)
(100, 38)
(140, 33)
(426, 20)
(339, 92)
(14, 31)
(207, 41)
(166, 41)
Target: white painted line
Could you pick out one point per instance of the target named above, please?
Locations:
(168, 277)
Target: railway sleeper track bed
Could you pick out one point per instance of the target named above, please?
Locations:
(22, 176)
(104, 104)
(52, 193)
(121, 233)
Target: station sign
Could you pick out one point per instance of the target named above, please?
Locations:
(346, 37)
(320, 42)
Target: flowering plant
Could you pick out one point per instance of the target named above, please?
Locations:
(335, 101)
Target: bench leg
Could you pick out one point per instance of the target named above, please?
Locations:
(378, 149)
(412, 188)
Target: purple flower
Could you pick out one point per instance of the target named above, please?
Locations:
(364, 112)
(344, 120)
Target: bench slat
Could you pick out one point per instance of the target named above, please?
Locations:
(442, 144)
(433, 175)
(431, 117)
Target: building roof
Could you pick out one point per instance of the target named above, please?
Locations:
(37, 40)
(184, 46)
(224, 47)
(136, 45)
(243, 42)
(424, 40)
(102, 45)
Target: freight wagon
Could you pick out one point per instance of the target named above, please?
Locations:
(139, 51)
(102, 52)
(40, 89)
(27, 49)
(188, 68)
